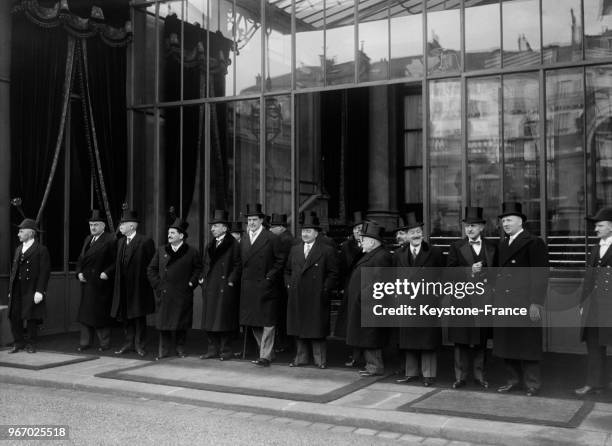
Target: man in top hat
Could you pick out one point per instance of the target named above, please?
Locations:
(28, 286)
(262, 268)
(595, 304)
(220, 288)
(521, 282)
(421, 340)
(173, 273)
(94, 269)
(472, 256)
(132, 293)
(350, 252)
(310, 275)
(370, 340)
(236, 230)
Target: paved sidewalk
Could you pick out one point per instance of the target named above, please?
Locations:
(368, 411)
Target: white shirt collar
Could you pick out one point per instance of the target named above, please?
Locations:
(512, 237)
(605, 241)
(255, 234)
(220, 238)
(131, 237)
(176, 248)
(26, 245)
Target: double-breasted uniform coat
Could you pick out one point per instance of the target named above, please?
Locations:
(96, 294)
(170, 274)
(522, 280)
(262, 269)
(350, 252)
(30, 272)
(596, 296)
(221, 302)
(309, 284)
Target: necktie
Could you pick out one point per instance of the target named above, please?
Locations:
(127, 241)
(93, 240)
(414, 253)
(218, 243)
(252, 234)
(307, 247)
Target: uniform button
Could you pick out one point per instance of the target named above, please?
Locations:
(223, 277)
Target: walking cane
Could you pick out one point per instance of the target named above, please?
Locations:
(244, 341)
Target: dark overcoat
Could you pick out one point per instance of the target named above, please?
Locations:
(425, 332)
(470, 330)
(596, 296)
(96, 294)
(522, 280)
(174, 276)
(356, 335)
(221, 301)
(133, 282)
(262, 269)
(309, 284)
(350, 252)
(35, 269)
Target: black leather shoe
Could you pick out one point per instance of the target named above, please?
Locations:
(15, 349)
(226, 356)
(159, 358)
(428, 382)
(322, 366)
(459, 384)
(406, 379)
(124, 349)
(481, 383)
(262, 362)
(181, 353)
(82, 348)
(141, 352)
(209, 356)
(103, 348)
(30, 348)
(587, 390)
(532, 391)
(365, 373)
(508, 388)
(351, 363)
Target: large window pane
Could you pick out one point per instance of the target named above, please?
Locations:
(597, 23)
(221, 64)
(143, 52)
(309, 46)
(340, 42)
(248, 47)
(565, 168)
(278, 45)
(443, 38)
(444, 147)
(278, 155)
(521, 145)
(521, 24)
(407, 40)
(482, 36)
(373, 40)
(561, 30)
(483, 136)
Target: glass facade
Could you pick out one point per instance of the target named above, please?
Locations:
(378, 106)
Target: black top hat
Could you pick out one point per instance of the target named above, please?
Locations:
(473, 214)
(220, 216)
(604, 214)
(180, 225)
(373, 230)
(254, 209)
(409, 221)
(311, 221)
(236, 226)
(29, 223)
(129, 215)
(96, 215)
(358, 219)
(279, 220)
(512, 208)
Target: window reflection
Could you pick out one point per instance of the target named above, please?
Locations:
(309, 51)
(482, 36)
(406, 41)
(340, 42)
(373, 41)
(521, 39)
(483, 139)
(443, 38)
(248, 47)
(278, 47)
(521, 151)
(561, 30)
(278, 155)
(598, 22)
(221, 64)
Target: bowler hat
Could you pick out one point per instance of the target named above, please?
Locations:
(373, 230)
(29, 223)
(180, 225)
(236, 226)
(129, 215)
(604, 214)
(311, 221)
(473, 214)
(220, 216)
(96, 215)
(512, 208)
(409, 221)
(279, 220)
(254, 209)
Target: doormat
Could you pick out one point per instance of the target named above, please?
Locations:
(40, 360)
(277, 381)
(498, 407)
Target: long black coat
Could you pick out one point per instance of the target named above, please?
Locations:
(35, 271)
(597, 296)
(520, 288)
(425, 333)
(96, 293)
(137, 289)
(349, 253)
(469, 329)
(262, 269)
(356, 335)
(170, 274)
(221, 302)
(309, 283)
